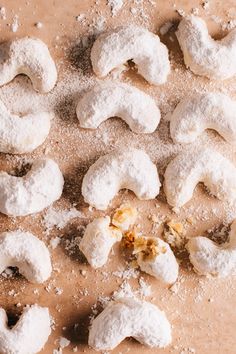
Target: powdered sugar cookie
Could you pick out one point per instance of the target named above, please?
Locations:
(29, 194)
(116, 47)
(29, 56)
(207, 257)
(203, 111)
(112, 99)
(26, 252)
(130, 168)
(98, 240)
(199, 165)
(204, 55)
(29, 334)
(130, 317)
(155, 257)
(19, 135)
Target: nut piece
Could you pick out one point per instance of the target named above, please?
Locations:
(99, 237)
(130, 317)
(174, 234)
(124, 217)
(129, 238)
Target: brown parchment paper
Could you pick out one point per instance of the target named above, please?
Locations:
(202, 310)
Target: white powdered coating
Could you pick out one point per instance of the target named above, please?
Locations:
(116, 47)
(130, 317)
(162, 266)
(204, 55)
(29, 194)
(208, 257)
(22, 135)
(203, 111)
(112, 99)
(98, 240)
(25, 251)
(29, 334)
(29, 56)
(196, 165)
(128, 168)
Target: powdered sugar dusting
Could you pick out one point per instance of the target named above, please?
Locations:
(60, 218)
(115, 5)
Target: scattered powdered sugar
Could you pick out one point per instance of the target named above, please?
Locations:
(15, 24)
(3, 13)
(60, 218)
(80, 18)
(229, 25)
(166, 27)
(38, 25)
(125, 290)
(115, 5)
(195, 11)
(63, 342)
(98, 25)
(72, 245)
(54, 242)
(206, 4)
(126, 273)
(145, 289)
(181, 12)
